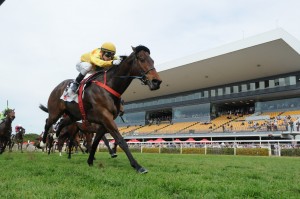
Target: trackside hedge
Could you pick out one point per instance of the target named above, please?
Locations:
(290, 152)
(210, 151)
(252, 151)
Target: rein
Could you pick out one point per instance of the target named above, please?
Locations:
(141, 77)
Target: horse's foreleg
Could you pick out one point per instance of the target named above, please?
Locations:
(79, 145)
(95, 144)
(70, 148)
(113, 129)
(124, 146)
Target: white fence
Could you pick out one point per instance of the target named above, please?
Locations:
(274, 146)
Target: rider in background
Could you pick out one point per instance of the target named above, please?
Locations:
(17, 128)
(98, 58)
(3, 114)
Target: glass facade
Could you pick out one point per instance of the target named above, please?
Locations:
(220, 91)
(199, 112)
(132, 118)
(278, 105)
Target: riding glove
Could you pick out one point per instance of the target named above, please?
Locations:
(116, 62)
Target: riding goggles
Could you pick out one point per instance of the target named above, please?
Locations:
(109, 54)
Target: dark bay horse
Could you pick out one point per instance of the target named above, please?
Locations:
(6, 129)
(102, 103)
(19, 138)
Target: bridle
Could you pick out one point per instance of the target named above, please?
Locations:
(10, 115)
(142, 76)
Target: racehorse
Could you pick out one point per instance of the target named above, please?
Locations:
(102, 97)
(11, 142)
(5, 129)
(19, 138)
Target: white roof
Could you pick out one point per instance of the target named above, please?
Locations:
(272, 53)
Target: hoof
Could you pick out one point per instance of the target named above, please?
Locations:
(142, 170)
(90, 163)
(114, 155)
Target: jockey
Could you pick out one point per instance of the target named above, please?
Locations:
(17, 128)
(3, 114)
(99, 58)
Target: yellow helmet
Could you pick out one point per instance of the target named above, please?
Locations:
(108, 47)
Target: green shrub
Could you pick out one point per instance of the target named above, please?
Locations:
(252, 151)
(150, 150)
(220, 151)
(193, 151)
(103, 149)
(170, 150)
(290, 152)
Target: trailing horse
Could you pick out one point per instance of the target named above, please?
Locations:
(11, 142)
(19, 138)
(6, 129)
(102, 97)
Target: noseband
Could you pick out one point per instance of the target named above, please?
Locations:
(143, 76)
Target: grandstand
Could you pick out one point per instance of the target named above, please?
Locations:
(248, 89)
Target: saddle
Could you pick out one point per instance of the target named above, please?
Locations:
(73, 97)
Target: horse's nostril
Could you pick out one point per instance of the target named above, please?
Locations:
(156, 82)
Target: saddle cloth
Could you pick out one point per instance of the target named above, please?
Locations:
(69, 96)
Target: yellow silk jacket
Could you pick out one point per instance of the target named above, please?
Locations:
(95, 59)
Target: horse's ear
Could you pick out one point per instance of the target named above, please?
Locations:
(133, 48)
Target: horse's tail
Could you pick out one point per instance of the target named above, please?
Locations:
(43, 108)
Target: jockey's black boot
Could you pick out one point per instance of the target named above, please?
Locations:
(75, 84)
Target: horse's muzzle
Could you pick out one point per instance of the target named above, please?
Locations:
(154, 84)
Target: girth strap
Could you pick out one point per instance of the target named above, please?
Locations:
(80, 103)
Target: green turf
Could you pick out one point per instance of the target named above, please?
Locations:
(37, 175)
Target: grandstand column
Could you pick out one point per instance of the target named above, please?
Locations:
(180, 148)
(279, 150)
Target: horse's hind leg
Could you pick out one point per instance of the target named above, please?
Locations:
(52, 119)
(66, 121)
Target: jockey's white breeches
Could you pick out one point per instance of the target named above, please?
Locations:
(84, 67)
